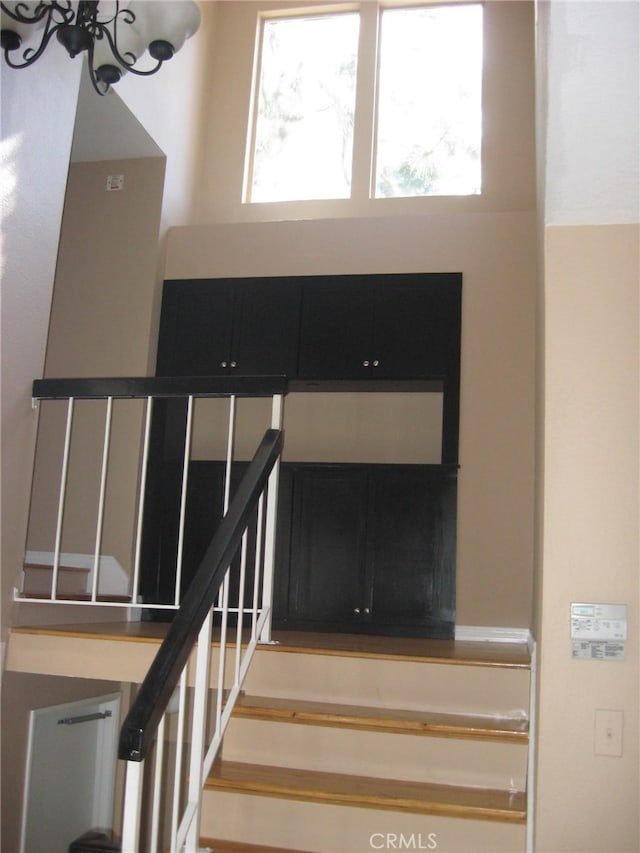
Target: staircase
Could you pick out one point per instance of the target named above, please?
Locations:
(344, 743)
(348, 744)
(336, 743)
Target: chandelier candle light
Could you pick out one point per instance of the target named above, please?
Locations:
(115, 35)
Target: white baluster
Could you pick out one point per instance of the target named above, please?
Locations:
(61, 499)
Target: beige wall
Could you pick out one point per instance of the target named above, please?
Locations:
(36, 143)
(576, 812)
(588, 474)
(100, 326)
(590, 545)
(508, 127)
(489, 238)
(105, 278)
(36, 140)
(496, 254)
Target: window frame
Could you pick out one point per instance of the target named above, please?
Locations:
(264, 16)
(366, 107)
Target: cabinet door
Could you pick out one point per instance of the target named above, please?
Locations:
(412, 550)
(336, 328)
(384, 326)
(266, 327)
(195, 328)
(414, 326)
(327, 546)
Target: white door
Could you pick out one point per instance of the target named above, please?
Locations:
(70, 776)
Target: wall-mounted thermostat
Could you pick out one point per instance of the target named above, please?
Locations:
(598, 631)
(115, 183)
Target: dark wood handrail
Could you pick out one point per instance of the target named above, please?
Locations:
(159, 386)
(139, 728)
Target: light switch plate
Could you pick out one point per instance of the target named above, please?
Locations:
(608, 732)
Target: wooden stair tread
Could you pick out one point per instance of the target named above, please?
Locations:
(73, 596)
(368, 792)
(396, 721)
(510, 655)
(61, 567)
(221, 845)
(454, 652)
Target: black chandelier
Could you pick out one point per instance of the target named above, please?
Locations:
(115, 35)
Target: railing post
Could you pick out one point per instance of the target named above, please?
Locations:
(61, 499)
(183, 499)
(132, 806)
(135, 585)
(198, 732)
(154, 844)
(177, 765)
(270, 526)
(103, 487)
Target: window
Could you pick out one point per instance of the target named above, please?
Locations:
(304, 130)
(430, 102)
(419, 104)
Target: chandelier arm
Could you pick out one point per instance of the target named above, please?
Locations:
(76, 24)
(30, 55)
(127, 60)
(146, 72)
(92, 74)
(38, 13)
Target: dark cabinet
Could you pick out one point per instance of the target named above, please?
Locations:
(321, 328)
(266, 327)
(195, 328)
(216, 327)
(327, 560)
(412, 532)
(380, 327)
(371, 549)
(360, 548)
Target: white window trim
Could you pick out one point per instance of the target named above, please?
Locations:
(363, 200)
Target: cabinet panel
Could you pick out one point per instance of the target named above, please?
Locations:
(412, 547)
(372, 550)
(266, 327)
(195, 328)
(213, 327)
(380, 327)
(413, 327)
(336, 328)
(327, 544)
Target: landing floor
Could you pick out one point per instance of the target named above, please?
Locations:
(511, 655)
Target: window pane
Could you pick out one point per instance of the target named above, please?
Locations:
(430, 102)
(304, 133)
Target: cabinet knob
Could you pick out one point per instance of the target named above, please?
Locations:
(234, 364)
(376, 362)
(365, 364)
(356, 610)
(366, 611)
(223, 364)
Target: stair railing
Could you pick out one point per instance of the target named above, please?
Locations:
(79, 394)
(178, 672)
(147, 716)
